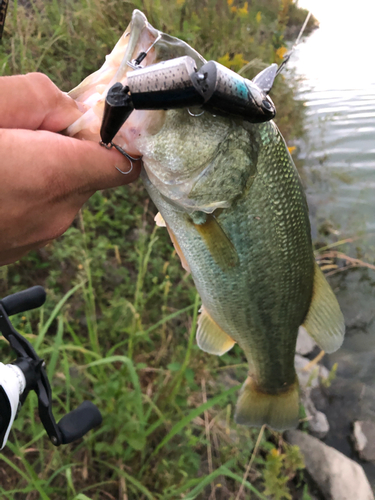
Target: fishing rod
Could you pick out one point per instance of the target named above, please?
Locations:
(288, 54)
(28, 373)
(3, 13)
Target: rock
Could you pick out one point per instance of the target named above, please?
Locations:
(305, 344)
(364, 439)
(344, 402)
(317, 422)
(337, 477)
(309, 379)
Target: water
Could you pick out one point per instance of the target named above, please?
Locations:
(339, 173)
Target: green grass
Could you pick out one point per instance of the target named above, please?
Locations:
(153, 438)
(118, 327)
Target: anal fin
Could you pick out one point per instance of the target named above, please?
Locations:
(324, 321)
(255, 408)
(210, 337)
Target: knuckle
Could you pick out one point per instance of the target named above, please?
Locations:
(45, 91)
(38, 78)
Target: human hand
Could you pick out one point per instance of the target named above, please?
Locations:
(45, 177)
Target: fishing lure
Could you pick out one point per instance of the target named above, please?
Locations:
(177, 83)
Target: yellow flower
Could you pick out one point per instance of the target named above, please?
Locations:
(274, 452)
(229, 2)
(225, 60)
(291, 149)
(281, 52)
(235, 63)
(180, 2)
(244, 9)
(258, 17)
(233, 9)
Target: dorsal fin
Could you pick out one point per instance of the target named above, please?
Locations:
(324, 321)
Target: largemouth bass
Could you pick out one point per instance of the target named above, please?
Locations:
(232, 201)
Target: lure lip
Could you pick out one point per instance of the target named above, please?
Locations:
(262, 102)
(268, 108)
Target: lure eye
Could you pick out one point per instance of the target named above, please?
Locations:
(267, 105)
(268, 108)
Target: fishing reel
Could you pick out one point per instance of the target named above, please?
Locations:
(28, 373)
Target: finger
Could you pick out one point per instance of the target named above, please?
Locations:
(45, 180)
(33, 102)
(63, 165)
(10, 256)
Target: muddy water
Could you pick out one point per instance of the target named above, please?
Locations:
(338, 158)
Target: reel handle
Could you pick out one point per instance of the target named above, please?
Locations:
(24, 301)
(28, 373)
(78, 422)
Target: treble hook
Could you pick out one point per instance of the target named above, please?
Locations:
(195, 115)
(123, 152)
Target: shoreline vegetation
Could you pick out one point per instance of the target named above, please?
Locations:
(118, 327)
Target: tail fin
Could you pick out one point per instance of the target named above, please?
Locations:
(279, 411)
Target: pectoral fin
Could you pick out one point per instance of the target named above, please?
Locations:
(324, 321)
(210, 337)
(219, 245)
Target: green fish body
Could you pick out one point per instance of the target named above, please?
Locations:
(233, 203)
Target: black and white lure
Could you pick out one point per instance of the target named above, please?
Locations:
(177, 83)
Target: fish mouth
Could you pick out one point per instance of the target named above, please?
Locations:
(138, 37)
